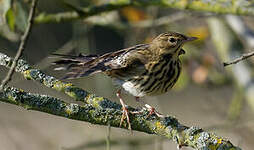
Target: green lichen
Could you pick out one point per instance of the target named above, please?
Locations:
(58, 85)
(94, 100)
(74, 92)
(4, 60)
(27, 75)
(72, 109)
(22, 66)
(49, 81)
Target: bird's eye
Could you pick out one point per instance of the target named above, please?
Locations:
(172, 40)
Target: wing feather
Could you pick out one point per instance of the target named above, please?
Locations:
(84, 65)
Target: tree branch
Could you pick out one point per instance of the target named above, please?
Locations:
(238, 59)
(99, 110)
(22, 45)
(236, 7)
(83, 13)
(164, 20)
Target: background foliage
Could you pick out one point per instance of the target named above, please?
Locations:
(207, 94)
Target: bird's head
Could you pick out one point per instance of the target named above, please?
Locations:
(170, 43)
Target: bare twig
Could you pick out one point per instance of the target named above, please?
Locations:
(108, 142)
(241, 58)
(22, 45)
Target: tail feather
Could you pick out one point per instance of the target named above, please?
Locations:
(78, 66)
(67, 59)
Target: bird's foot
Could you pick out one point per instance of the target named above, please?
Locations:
(149, 108)
(153, 111)
(125, 112)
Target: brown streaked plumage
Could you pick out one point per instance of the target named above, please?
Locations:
(145, 69)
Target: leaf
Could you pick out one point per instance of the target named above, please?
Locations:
(7, 21)
(133, 14)
(21, 16)
(5, 5)
(14, 15)
(10, 19)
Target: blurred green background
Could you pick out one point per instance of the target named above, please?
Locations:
(207, 95)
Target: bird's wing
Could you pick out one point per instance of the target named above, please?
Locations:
(84, 65)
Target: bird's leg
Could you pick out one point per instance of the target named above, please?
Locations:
(150, 108)
(153, 111)
(125, 110)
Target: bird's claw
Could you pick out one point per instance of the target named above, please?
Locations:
(153, 111)
(125, 114)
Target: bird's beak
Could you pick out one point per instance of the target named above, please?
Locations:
(190, 39)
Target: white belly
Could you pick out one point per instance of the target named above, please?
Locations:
(132, 89)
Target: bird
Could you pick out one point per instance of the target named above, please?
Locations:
(141, 70)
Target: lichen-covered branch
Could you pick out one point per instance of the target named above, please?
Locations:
(49, 81)
(110, 113)
(99, 110)
(237, 7)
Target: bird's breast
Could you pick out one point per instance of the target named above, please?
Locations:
(133, 89)
(159, 79)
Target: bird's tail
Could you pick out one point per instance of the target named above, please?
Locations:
(71, 62)
(71, 59)
(84, 65)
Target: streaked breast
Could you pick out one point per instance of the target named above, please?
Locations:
(160, 79)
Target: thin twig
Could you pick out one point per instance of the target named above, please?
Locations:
(241, 58)
(22, 45)
(108, 138)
